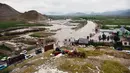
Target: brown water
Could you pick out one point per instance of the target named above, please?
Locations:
(66, 31)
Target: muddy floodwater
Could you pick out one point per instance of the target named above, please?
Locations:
(66, 31)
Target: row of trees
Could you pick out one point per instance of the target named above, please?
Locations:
(104, 37)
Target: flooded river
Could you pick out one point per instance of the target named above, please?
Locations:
(66, 31)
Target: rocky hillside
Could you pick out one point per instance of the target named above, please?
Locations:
(32, 16)
(101, 60)
(9, 13)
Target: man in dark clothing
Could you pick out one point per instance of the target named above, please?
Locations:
(88, 37)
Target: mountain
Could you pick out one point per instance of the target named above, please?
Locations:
(7, 12)
(114, 13)
(32, 16)
(108, 13)
(76, 14)
(117, 13)
(55, 13)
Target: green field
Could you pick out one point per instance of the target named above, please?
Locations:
(42, 34)
(107, 20)
(115, 21)
(3, 47)
(11, 24)
(1, 56)
(103, 21)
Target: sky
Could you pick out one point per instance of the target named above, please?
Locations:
(68, 6)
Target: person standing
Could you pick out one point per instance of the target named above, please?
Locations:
(87, 37)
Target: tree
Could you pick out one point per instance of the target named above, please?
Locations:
(117, 34)
(116, 38)
(126, 33)
(103, 37)
(99, 38)
(108, 38)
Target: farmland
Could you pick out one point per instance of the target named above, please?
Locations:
(12, 24)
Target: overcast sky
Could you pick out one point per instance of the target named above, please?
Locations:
(66, 6)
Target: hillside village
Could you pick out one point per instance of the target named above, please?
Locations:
(31, 42)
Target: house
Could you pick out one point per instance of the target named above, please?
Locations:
(126, 51)
(122, 31)
(69, 41)
(125, 41)
(48, 47)
(83, 41)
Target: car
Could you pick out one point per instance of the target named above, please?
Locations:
(4, 58)
(2, 67)
(126, 51)
(38, 51)
(28, 56)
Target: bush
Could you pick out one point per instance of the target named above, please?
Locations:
(100, 44)
(119, 54)
(113, 67)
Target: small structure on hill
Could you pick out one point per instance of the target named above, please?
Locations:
(81, 41)
(48, 47)
(43, 46)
